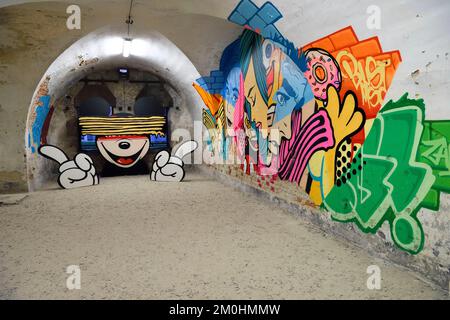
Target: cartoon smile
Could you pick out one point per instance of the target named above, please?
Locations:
(123, 151)
(124, 160)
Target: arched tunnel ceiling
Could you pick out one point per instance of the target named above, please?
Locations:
(200, 36)
(103, 49)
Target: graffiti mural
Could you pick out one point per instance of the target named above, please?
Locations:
(122, 141)
(387, 182)
(81, 171)
(76, 173)
(43, 111)
(434, 150)
(170, 168)
(314, 116)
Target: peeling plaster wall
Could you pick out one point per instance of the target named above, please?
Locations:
(20, 72)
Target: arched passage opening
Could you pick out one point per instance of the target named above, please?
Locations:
(51, 118)
(121, 95)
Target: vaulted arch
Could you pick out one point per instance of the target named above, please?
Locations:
(151, 52)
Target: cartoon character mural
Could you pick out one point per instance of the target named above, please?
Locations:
(123, 151)
(81, 172)
(314, 116)
(279, 113)
(76, 173)
(123, 142)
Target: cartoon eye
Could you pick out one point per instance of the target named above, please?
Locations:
(268, 51)
(282, 99)
(235, 97)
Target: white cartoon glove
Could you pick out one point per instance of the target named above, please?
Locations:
(76, 173)
(169, 168)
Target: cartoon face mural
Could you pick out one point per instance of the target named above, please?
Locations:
(255, 85)
(272, 59)
(123, 141)
(123, 151)
(231, 94)
(293, 94)
(274, 87)
(314, 116)
(81, 171)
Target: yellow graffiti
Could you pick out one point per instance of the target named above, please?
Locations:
(369, 79)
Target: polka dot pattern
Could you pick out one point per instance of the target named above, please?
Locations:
(348, 162)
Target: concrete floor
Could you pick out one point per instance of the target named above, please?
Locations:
(199, 239)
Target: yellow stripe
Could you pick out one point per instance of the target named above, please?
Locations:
(122, 130)
(109, 133)
(121, 122)
(128, 120)
(121, 119)
(117, 126)
(127, 126)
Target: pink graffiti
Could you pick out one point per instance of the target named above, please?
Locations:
(238, 119)
(316, 134)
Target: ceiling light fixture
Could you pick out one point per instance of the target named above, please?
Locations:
(128, 41)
